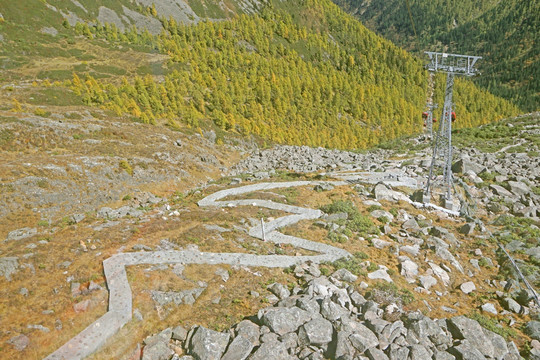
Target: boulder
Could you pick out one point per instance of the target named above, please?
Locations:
(408, 268)
(467, 229)
(179, 333)
(380, 274)
(279, 290)
(464, 165)
(157, 351)
(271, 350)
(427, 281)
(518, 188)
(383, 192)
(466, 351)
(532, 328)
(411, 225)
(20, 234)
(284, 320)
(8, 266)
(467, 287)
(511, 305)
(489, 308)
(470, 330)
(499, 190)
(317, 332)
(344, 275)
(363, 338)
(208, 344)
(19, 342)
(239, 349)
(376, 354)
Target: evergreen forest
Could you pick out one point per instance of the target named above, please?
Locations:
(298, 72)
(504, 33)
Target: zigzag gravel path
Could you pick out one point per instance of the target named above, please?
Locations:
(120, 297)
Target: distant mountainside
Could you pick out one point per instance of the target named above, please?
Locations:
(504, 33)
(295, 72)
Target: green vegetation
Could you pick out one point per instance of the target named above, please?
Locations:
(493, 325)
(124, 165)
(504, 33)
(353, 264)
(303, 73)
(356, 222)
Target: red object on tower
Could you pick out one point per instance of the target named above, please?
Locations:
(424, 115)
(453, 116)
(434, 120)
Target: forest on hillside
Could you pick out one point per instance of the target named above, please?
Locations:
(307, 74)
(504, 33)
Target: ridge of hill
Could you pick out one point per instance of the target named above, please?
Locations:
(504, 33)
(300, 72)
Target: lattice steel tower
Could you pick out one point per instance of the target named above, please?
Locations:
(451, 64)
(428, 118)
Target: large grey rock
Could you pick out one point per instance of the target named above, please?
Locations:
(208, 344)
(419, 352)
(466, 351)
(397, 352)
(376, 354)
(332, 311)
(8, 266)
(179, 333)
(239, 349)
(344, 348)
(308, 304)
(408, 268)
(271, 350)
(467, 287)
(380, 274)
(164, 336)
(500, 348)
(489, 308)
(344, 275)
(499, 190)
(464, 165)
(248, 330)
(467, 229)
(20, 234)
(279, 290)
(518, 188)
(427, 281)
(532, 328)
(511, 305)
(157, 351)
(383, 192)
(462, 327)
(19, 342)
(284, 320)
(411, 225)
(363, 338)
(247, 337)
(318, 331)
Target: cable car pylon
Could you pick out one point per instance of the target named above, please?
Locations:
(451, 64)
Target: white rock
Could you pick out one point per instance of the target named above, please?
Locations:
(467, 287)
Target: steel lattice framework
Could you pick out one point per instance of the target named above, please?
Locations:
(451, 64)
(429, 120)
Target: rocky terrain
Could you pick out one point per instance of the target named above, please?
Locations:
(407, 281)
(329, 318)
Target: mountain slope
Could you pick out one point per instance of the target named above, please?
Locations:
(505, 33)
(300, 72)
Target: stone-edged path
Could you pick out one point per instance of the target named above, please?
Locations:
(120, 296)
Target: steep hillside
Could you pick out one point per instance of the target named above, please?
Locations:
(296, 72)
(504, 33)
